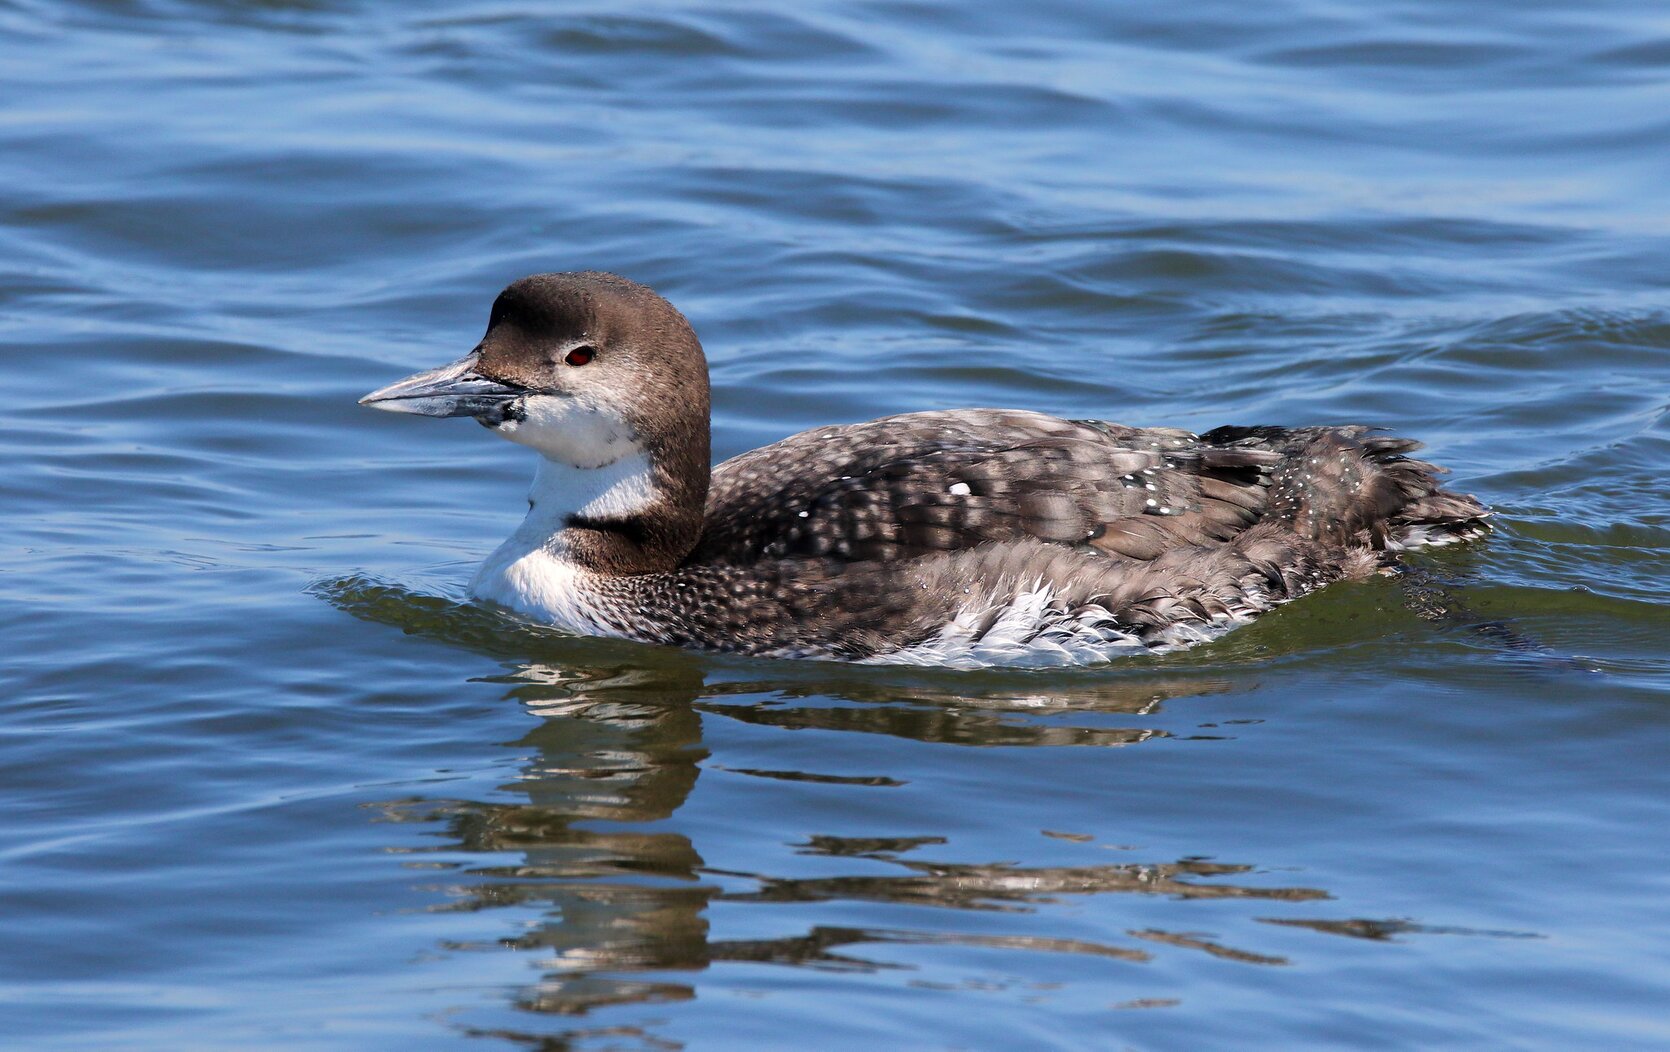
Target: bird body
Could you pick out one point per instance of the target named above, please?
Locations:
(959, 538)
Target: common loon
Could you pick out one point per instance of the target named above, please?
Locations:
(960, 538)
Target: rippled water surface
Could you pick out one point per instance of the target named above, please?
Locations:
(272, 784)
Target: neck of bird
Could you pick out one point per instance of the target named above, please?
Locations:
(625, 517)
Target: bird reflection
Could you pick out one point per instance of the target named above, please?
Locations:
(626, 909)
(625, 900)
(1003, 887)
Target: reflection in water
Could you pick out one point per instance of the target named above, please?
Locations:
(1195, 942)
(624, 746)
(926, 723)
(1389, 930)
(625, 910)
(1005, 887)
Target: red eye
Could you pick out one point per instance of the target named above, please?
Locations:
(580, 356)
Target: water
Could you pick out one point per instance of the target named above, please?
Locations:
(272, 785)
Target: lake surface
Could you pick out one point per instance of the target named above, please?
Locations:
(271, 783)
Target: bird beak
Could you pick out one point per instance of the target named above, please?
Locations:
(451, 390)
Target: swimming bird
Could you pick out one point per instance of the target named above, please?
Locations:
(960, 538)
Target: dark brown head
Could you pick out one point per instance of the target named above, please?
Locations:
(596, 373)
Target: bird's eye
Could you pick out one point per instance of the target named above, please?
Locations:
(580, 356)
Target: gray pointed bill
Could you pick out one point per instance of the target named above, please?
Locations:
(451, 390)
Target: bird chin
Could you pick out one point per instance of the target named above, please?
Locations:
(503, 415)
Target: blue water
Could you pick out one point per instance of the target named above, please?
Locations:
(272, 784)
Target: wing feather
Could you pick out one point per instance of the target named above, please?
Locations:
(926, 483)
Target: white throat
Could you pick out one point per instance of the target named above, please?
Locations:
(533, 572)
(590, 464)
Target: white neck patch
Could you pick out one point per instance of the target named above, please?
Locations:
(590, 465)
(614, 491)
(533, 572)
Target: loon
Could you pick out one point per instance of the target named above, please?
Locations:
(961, 538)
